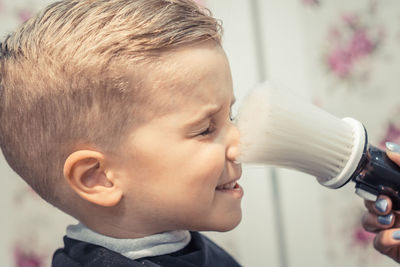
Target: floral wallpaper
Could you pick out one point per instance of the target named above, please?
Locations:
(350, 45)
(354, 61)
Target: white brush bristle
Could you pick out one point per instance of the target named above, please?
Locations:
(279, 129)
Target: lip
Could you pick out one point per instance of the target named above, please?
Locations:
(230, 181)
(236, 192)
(237, 176)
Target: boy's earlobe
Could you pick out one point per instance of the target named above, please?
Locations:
(85, 172)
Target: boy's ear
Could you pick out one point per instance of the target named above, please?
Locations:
(85, 172)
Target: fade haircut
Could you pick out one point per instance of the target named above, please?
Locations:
(71, 76)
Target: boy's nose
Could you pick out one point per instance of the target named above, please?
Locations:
(232, 150)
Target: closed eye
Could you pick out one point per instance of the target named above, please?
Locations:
(208, 131)
(211, 128)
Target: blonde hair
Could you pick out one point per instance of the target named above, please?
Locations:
(72, 75)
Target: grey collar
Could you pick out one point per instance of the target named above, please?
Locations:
(153, 245)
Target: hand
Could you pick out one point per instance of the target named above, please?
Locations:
(383, 221)
(380, 219)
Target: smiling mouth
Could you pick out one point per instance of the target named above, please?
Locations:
(228, 186)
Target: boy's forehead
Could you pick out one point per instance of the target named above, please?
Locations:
(185, 81)
(190, 72)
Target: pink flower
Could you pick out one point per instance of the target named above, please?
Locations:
(24, 15)
(360, 45)
(361, 237)
(340, 62)
(342, 58)
(350, 19)
(349, 43)
(24, 259)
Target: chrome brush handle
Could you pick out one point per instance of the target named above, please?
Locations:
(377, 175)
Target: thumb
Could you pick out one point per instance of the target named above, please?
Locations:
(387, 240)
(393, 152)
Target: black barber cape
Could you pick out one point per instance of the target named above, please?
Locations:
(201, 251)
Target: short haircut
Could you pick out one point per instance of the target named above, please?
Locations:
(71, 75)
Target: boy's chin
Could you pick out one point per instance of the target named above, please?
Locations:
(224, 225)
(231, 226)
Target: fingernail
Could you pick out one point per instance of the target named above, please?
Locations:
(393, 147)
(396, 235)
(381, 204)
(385, 219)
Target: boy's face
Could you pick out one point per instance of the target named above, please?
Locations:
(173, 166)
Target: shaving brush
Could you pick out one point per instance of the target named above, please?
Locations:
(278, 129)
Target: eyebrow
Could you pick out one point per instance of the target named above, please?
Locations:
(208, 113)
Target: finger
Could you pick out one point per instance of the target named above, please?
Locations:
(382, 206)
(395, 157)
(393, 152)
(373, 223)
(386, 240)
(396, 218)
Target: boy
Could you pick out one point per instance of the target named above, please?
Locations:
(118, 113)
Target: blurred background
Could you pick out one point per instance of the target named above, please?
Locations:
(341, 55)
